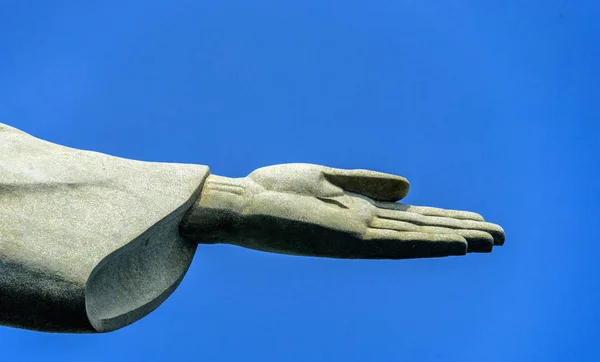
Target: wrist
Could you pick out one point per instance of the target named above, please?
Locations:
(217, 211)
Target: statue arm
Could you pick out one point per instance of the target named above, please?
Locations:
(91, 242)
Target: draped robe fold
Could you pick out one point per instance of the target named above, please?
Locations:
(88, 242)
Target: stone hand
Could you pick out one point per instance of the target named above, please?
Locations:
(304, 209)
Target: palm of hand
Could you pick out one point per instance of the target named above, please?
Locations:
(303, 193)
(357, 204)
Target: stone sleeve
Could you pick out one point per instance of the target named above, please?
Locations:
(88, 242)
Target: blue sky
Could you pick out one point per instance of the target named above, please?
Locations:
(491, 107)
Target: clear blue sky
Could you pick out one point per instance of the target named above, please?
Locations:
(485, 106)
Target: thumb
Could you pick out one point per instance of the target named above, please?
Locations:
(376, 185)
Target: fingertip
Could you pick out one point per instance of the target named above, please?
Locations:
(498, 234)
(461, 246)
(481, 246)
(449, 245)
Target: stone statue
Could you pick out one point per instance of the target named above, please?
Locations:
(92, 243)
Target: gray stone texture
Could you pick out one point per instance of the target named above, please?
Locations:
(312, 210)
(92, 243)
(88, 242)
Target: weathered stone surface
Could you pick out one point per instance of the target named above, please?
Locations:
(88, 242)
(92, 243)
(313, 210)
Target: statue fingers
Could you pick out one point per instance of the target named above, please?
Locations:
(375, 185)
(477, 240)
(393, 244)
(440, 221)
(430, 211)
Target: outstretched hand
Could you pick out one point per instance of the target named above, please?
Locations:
(313, 210)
